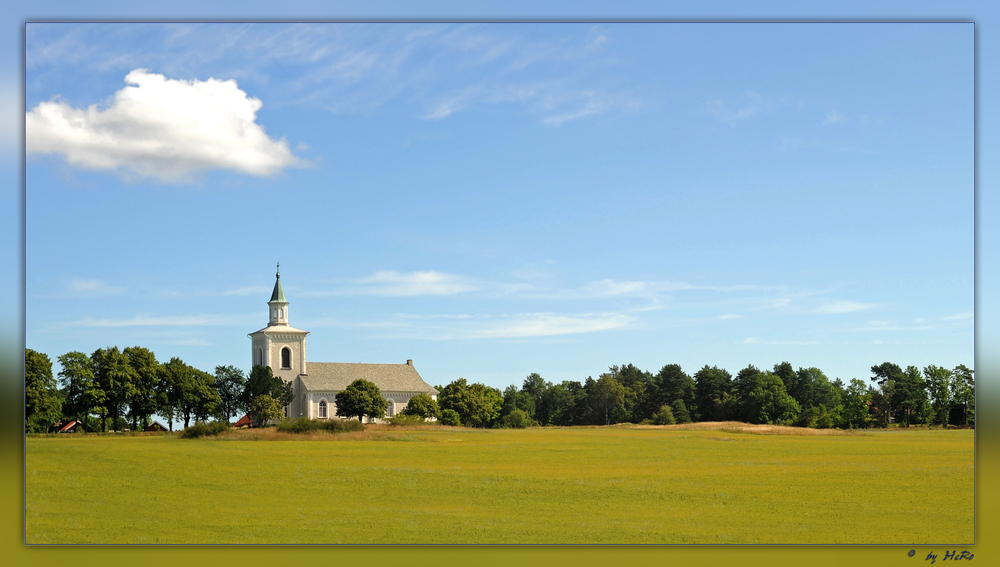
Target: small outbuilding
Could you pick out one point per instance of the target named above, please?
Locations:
(155, 426)
(245, 421)
(71, 427)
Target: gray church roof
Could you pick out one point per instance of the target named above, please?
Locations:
(337, 376)
(278, 295)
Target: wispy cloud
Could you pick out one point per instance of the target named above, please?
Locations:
(845, 307)
(958, 317)
(247, 290)
(756, 341)
(390, 283)
(730, 316)
(548, 324)
(77, 286)
(143, 320)
(833, 117)
(161, 128)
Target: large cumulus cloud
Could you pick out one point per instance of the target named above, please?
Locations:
(162, 128)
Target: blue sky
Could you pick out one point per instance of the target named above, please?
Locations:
(492, 200)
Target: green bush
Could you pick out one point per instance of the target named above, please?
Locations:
(405, 419)
(517, 419)
(450, 417)
(664, 417)
(306, 425)
(203, 429)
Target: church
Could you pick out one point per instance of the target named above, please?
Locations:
(283, 348)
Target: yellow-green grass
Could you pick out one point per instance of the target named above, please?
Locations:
(719, 484)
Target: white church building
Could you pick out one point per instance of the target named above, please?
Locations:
(283, 348)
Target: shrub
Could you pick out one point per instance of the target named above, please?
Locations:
(202, 429)
(405, 419)
(306, 425)
(517, 419)
(664, 417)
(450, 417)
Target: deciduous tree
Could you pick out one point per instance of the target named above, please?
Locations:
(424, 406)
(42, 407)
(79, 390)
(361, 398)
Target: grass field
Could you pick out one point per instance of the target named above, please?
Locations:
(699, 484)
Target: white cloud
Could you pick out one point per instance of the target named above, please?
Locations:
(756, 341)
(143, 320)
(248, 290)
(392, 283)
(844, 307)
(593, 105)
(612, 287)
(960, 316)
(833, 116)
(78, 286)
(730, 316)
(162, 128)
(548, 324)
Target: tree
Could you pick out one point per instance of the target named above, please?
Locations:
(640, 392)
(938, 382)
(262, 381)
(454, 397)
(664, 416)
(607, 396)
(361, 398)
(265, 408)
(788, 377)
(671, 384)
(536, 387)
(857, 398)
(711, 393)
(768, 402)
(170, 389)
(964, 394)
(116, 379)
(886, 375)
(558, 404)
(517, 419)
(424, 406)
(484, 403)
(476, 404)
(450, 417)
(145, 373)
(742, 386)
(207, 402)
(680, 412)
(909, 397)
(42, 406)
(80, 393)
(229, 383)
(514, 399)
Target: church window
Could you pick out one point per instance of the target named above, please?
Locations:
(392, 408)
(322, 409)
(260, 357)
(286, 358)
(286, 411)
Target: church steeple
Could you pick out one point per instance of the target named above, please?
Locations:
(278, 306)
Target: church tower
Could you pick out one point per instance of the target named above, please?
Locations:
(279, 345)
(278, 305)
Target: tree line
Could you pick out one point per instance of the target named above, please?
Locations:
(114, 388)
(782, 395)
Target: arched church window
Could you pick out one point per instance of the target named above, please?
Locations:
(260, 357)
(392, 408)
(322, 409)
(286, 358)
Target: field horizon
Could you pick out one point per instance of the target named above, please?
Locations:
(717, 483)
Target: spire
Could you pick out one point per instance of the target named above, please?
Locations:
(278, 294)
